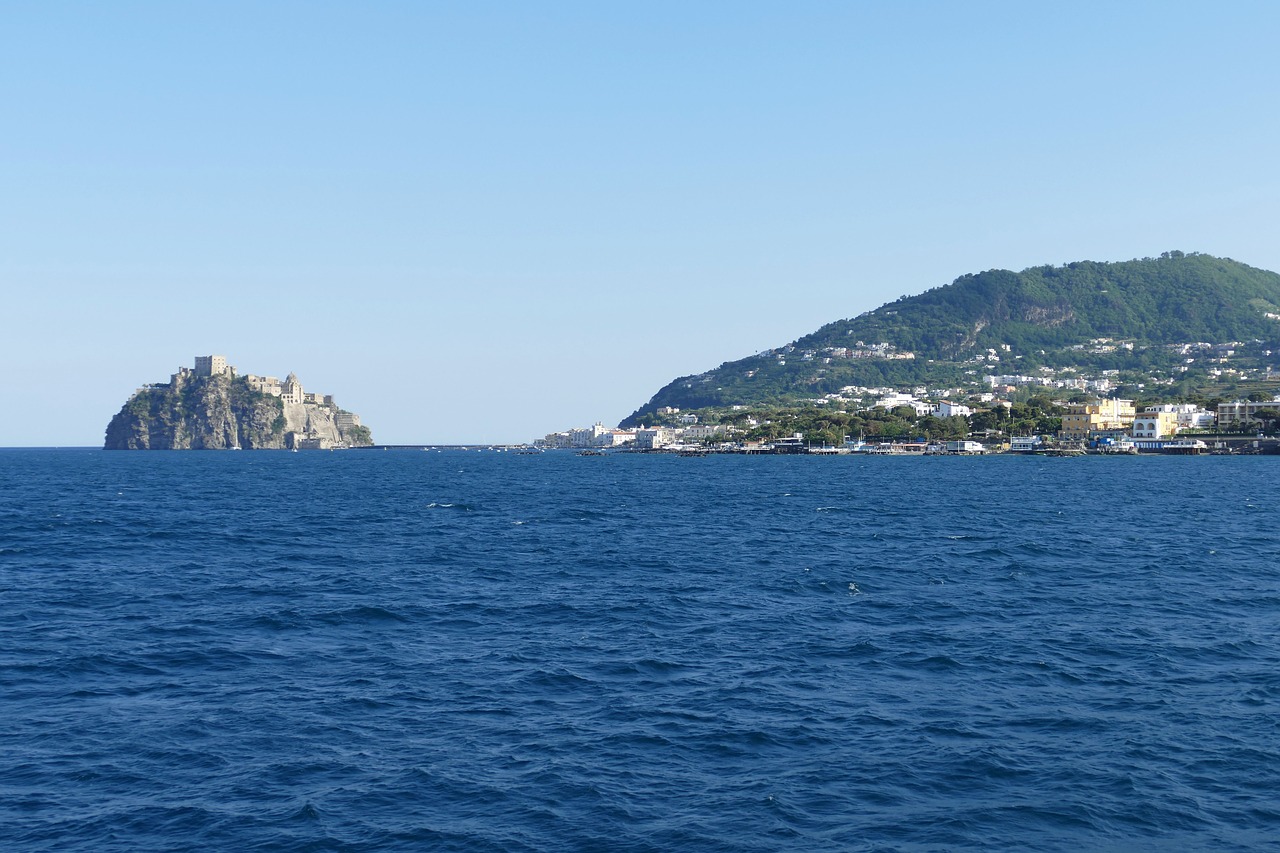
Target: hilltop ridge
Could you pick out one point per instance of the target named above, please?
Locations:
(1130, 321)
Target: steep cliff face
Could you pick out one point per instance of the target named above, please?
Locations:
(317, 426)
(220, 413)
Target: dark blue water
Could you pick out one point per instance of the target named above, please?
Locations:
(480, 651)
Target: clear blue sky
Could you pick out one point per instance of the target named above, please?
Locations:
(480, 222)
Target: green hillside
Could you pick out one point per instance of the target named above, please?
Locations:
(1084, 317)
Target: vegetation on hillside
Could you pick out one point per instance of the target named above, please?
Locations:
(1082, 317)
(822, 425)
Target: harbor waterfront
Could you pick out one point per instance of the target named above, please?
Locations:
(889, 422)
(1219, 445)
(459, 650)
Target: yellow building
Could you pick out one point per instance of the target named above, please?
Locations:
(1154, 423)
(1082, 420)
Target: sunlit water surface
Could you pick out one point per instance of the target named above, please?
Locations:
(490, 651)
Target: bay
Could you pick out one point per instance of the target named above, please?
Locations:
(490, 651)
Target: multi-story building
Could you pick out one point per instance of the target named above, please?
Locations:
(617, 438)
(264, 384)
(291, 391)
(948, 409)
(654, 438)
(893, 400)
(553, 440)
(587, 437)
(1188, 415)
(1081, 420)
(703, 432)
(1153, 423)
(1240, 412)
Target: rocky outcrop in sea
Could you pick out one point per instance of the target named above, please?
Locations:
(222, 411)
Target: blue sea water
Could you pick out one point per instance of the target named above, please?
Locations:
(488, 651)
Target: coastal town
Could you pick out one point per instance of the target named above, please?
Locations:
(1098, 425)
(1102, 395)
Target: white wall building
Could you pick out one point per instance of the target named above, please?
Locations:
(1188, 415)
(1154, 425)
(588, 437)
(897, 398)
(702, 432)
(948, 409)
(654, 438)
(1024, 443)
(1243, 411)
(291, 391)
(553, 440)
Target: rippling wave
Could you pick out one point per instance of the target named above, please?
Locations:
(344, 651)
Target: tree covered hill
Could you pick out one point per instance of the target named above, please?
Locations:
(1042, 317)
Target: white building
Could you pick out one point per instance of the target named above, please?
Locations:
(553, 440)
(948, 409)
(1154, 425)
(1188, 415)
(291, 391)
(591, 436)
(1243, 411)
(897, 398)
(1024, 443)
(654, 438)
(702, 432)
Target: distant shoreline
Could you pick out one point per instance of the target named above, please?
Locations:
(1217, 445)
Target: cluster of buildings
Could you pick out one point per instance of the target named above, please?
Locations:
(890, 400)
(1216, 360)
(859, 350)
(289, 391)
(1084, 422)
(1119, 417)
(988, 384)
(1115, 417)
(644, 438)
(826, 355)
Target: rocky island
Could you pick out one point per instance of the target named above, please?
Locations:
(211, 407)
